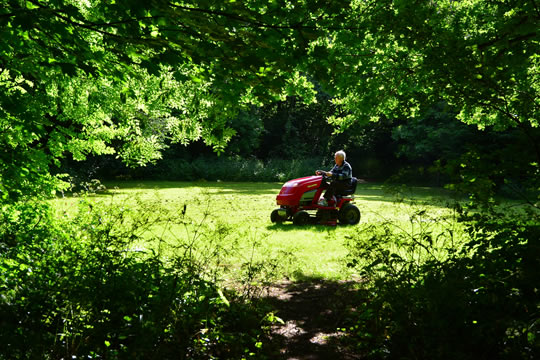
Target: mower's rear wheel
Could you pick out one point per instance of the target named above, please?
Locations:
(275, 217)
(349, 215)
(301, 218)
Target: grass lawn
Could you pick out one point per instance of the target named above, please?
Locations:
(235, 219)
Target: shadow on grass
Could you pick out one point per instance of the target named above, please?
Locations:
(125, 187)
(289, 226)
(219, 187)
(313, 311)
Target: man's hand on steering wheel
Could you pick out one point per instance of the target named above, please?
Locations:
(323, 173)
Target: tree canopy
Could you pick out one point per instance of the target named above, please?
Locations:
(479, 56)
(100, 76)
(122, 76)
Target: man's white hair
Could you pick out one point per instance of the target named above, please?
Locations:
(342, 154)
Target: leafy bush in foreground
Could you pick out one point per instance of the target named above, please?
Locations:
(78, 288)
(480, 301)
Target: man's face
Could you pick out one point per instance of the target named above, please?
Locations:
(339, 159)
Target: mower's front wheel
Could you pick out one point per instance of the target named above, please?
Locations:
(301, 218)
(349, 215)
(275, 217)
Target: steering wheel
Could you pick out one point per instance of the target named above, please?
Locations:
(323, 174)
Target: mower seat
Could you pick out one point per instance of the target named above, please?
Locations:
(352, 188)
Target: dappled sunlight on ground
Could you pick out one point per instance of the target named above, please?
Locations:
(313, 312)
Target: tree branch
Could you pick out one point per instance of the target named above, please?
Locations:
(227, 15)
(258, 24)
(502, 36)
(120, 22)
(60, 14)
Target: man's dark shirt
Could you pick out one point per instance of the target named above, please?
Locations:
(342, 173)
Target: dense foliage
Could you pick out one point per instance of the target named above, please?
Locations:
(393, 82)
(480, 56)
(434, 293)
(81, 287)
(127, 76)
(130, 78)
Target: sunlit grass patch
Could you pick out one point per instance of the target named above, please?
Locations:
(229, 224)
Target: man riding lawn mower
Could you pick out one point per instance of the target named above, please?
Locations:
(300, 197)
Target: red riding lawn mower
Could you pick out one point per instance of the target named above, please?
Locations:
(299, 202)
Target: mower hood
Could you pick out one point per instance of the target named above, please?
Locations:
(292, 190)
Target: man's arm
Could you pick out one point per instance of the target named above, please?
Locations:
(333, 172)
(327, 173)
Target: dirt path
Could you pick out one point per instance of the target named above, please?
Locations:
(313, 312)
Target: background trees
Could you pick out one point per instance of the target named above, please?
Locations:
(396, 59)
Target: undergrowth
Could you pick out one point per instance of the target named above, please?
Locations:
(458, 287)
(81, 286)
(134, 279)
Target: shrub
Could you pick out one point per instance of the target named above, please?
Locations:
(478, 300)
(78, 287)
